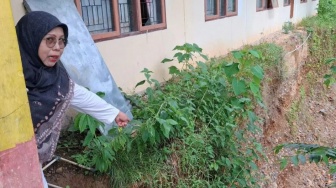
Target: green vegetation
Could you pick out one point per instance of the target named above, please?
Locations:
(312, 152)
(322, 29)
(194, 131)
(295, 108)
(329, 78)
(287, 27)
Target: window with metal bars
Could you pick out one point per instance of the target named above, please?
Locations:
(106, 19)
(215, 9)
(266, 4)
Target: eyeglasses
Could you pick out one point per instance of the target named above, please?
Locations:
(51, 42)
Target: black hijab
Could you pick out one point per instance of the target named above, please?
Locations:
(49, 88)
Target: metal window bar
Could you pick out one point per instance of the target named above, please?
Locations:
(222, 8)
(211, 7)
(275, 3)
(126, 15)
(272, 4)
(231, 6)
(97, 15)
(151, 12)
(158, 16)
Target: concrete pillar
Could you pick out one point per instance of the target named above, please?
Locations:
(19, 164)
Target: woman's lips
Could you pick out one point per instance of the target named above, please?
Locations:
(53, 58)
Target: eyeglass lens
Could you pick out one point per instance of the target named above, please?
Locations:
(51, 42)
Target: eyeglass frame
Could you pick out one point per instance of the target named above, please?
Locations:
(53, 42)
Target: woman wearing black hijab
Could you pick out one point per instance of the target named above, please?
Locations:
(42, 39)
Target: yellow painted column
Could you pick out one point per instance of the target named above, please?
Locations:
(15, 120)
(19, 164)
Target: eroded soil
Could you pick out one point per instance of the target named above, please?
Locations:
(300, 110)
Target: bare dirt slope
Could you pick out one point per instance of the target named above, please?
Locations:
(299, 109)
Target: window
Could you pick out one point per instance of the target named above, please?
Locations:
(215, 9)
(303, 1)
(112, 18)
(266, 4)
(286, 2)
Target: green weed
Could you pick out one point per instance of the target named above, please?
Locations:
(193, 131)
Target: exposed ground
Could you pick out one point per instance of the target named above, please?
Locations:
(299, 109)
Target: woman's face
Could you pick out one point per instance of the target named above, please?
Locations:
(52, 46)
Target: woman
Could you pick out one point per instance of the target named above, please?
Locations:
(42, 39)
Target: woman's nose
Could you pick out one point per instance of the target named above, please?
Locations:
(57, 46)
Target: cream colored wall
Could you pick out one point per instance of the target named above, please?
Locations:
(217, 37)
(127, 57)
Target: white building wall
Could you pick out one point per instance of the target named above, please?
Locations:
(127, 57)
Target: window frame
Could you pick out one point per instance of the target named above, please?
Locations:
(263, 5)
(116, 21)
(235, 13)
(150, 27)
(218, 8)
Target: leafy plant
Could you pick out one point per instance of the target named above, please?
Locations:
(287, 27)
(322, 30)
(326, 11)
(329, 79)
(312, 152)
(100, 150)
(192, 131)
(199, 117)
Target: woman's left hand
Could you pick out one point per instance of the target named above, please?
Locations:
(121, 119)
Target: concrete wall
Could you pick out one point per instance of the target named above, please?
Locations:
(126, 57)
